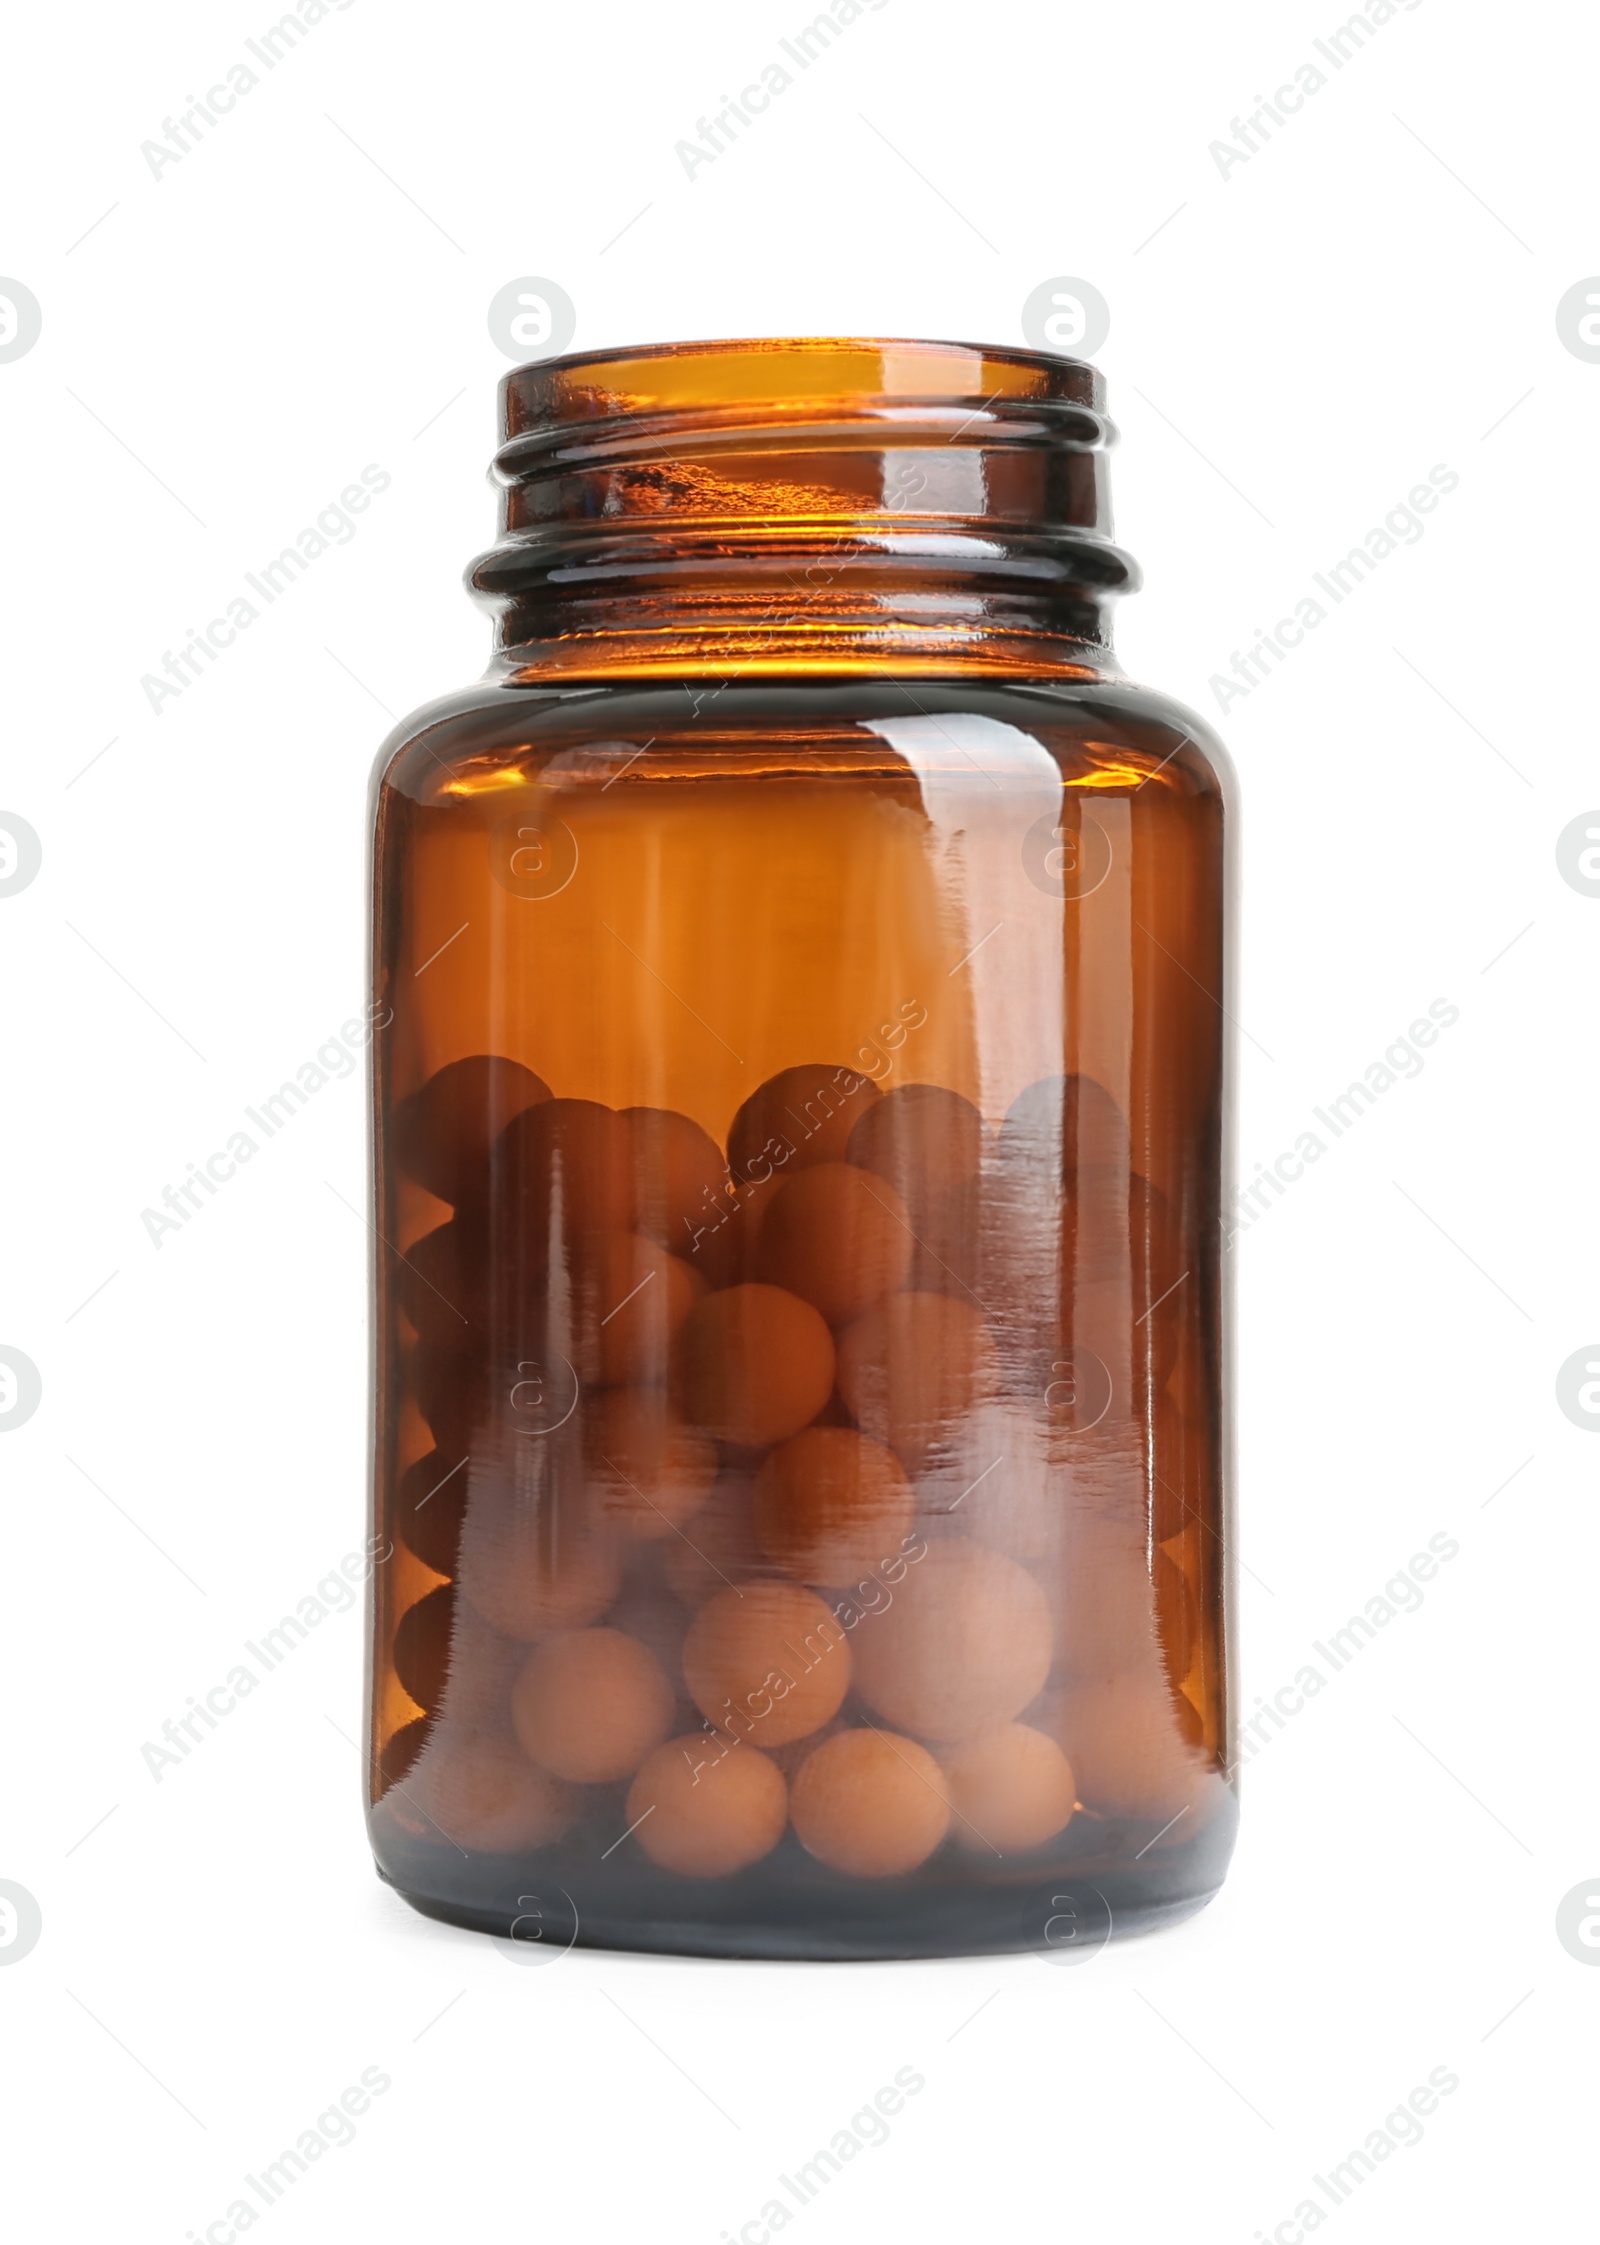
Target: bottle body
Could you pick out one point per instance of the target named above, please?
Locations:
(801, 1420)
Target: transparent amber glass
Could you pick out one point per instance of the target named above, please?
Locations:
(800, 1114)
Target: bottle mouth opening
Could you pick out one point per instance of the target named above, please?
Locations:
(864, 475)
(787, 379)
(805, 399)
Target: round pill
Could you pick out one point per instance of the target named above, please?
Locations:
(428, 1509)
(452, 1391)
(613, 1301)
(838, 1237)
(964, 1647)
(442, 1282)
(1118, 1222)
(829, 1503)
(422, 1646)
(948, 1256)
(442, 1134)
(707, 1808)
(1010, 1788)
(728, 1251)
(560, 1169)
(910, 1366)
(650, 1473)
(766, 1662)
(1005, 1479)
(870, 1804)
(1060, 1124)
(757, 1364)
(1107, 1604)
(681, 1180)
(527, 1577)
(591, 1704)
(797, 1117)
(481, 1792)
(483, 1667)
(400, 1750)
(1026, 1214)
(922, 1139)
(1134, 1744)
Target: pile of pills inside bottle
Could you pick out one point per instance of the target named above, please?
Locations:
(809, 1489)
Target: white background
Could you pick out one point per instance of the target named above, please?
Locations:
(224, 348)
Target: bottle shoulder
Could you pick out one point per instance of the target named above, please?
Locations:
(1121, 731)
(1127, 713)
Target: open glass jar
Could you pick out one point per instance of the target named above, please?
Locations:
(800, 1123)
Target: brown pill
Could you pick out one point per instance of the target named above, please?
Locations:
(728, 1251)
(476, 1401)
(1057, 1214)
(680, 1176)
(398, 1755)
(1116, 1221)
(1004, 1479)
(648, 1471)
(483, 1667)
(718, 1548)
(1009, 1788)
(870, 1804)
(527, 1578)
(798, 1117)
(766, 1662)
(441, 1281)
(948, 1256)
(1124, 1598)
(829, 1503)
(481, 1792)
(836, 1236)
(1134, 1744)
(422, 1646)
(964, 1647)
(591, 1704)
(429, 1507)
(1085, 1257)
(757, 1364)
(925, 1141)
(1060, 1124)
(615, 1299)
(561, 1169)
(451, 1389)
(442, 1134)
(707, 1808)
(910, 1366)
(1112, 1267)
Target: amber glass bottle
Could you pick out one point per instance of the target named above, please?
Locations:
(800, 1119)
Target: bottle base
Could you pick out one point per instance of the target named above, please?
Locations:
(1064, 1910)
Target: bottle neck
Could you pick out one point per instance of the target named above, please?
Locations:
(627, 606)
